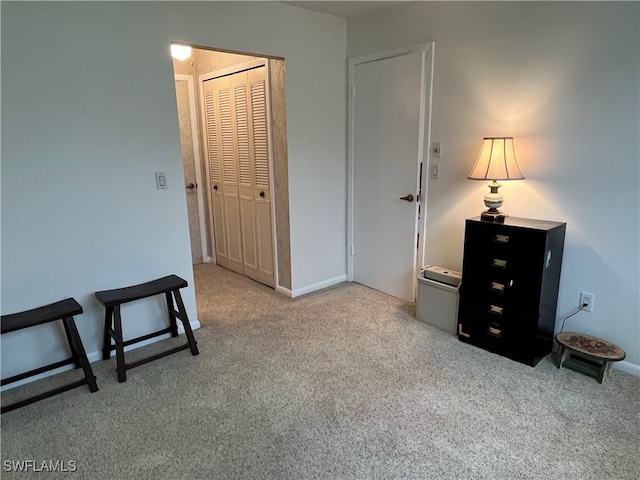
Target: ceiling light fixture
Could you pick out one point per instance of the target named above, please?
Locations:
(180, 52)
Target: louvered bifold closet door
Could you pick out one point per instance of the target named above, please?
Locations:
(214, 155)
(245, 180)
(221, 149)
(261, 172)
(238, 155)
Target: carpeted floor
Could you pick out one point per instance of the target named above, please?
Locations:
(339, 384)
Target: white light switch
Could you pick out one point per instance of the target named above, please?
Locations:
(436, 149)
(435, 170)
(161, 180)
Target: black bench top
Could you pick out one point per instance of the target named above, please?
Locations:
(117, 296)
(54, 311)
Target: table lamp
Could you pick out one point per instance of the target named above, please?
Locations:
(497, 161)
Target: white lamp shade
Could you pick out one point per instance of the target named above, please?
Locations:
(497, 161)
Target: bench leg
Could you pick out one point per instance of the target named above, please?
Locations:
(77, 349)
(74, 352)
(560, 356)
(106, 338)
(172, 318)
(185, 322)
(117, 327)
(603, 373)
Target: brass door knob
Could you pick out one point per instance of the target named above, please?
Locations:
(191, 186)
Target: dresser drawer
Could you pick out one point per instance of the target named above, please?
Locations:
(482, 308)
(502, 235)
(511, 330)
(521, 293)
(487, 328)
(519, 251)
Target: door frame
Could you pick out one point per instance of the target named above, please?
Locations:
(261, 62)
(424, 140)
(195, 135)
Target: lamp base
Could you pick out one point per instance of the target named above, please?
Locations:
(493, 215)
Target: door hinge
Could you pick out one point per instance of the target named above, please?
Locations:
(353, 91)
(352, 251)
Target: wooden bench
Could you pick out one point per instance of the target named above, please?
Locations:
(112, 299)
(63, 310)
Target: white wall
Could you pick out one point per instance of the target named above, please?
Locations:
(563, 79)
(89, 116)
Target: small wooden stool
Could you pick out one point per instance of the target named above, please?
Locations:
(63, 310)
(112, 299)
(592, 356)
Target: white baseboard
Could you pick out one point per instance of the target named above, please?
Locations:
(195, 324)
(318, 286)
(284, 291)
(627, 367)
(96, 356)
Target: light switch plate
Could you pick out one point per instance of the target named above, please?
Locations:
(436, 149)
(161, 180)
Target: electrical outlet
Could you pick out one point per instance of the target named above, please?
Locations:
(587, 299)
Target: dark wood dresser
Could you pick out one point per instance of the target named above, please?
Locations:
(509, 290)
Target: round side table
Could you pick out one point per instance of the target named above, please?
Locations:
(589, 355)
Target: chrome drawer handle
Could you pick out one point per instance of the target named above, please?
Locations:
(496, 309)
(496, 332)
(499, 263)
(501, 238)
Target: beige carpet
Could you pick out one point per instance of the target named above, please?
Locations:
(339, 384)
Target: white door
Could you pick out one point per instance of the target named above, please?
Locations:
(185, 96)
(221, 152)
(388, 115)
(250, 114)
(235, 112)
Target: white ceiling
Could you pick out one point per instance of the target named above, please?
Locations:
(345, 9)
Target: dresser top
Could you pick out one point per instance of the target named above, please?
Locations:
(523, 223)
